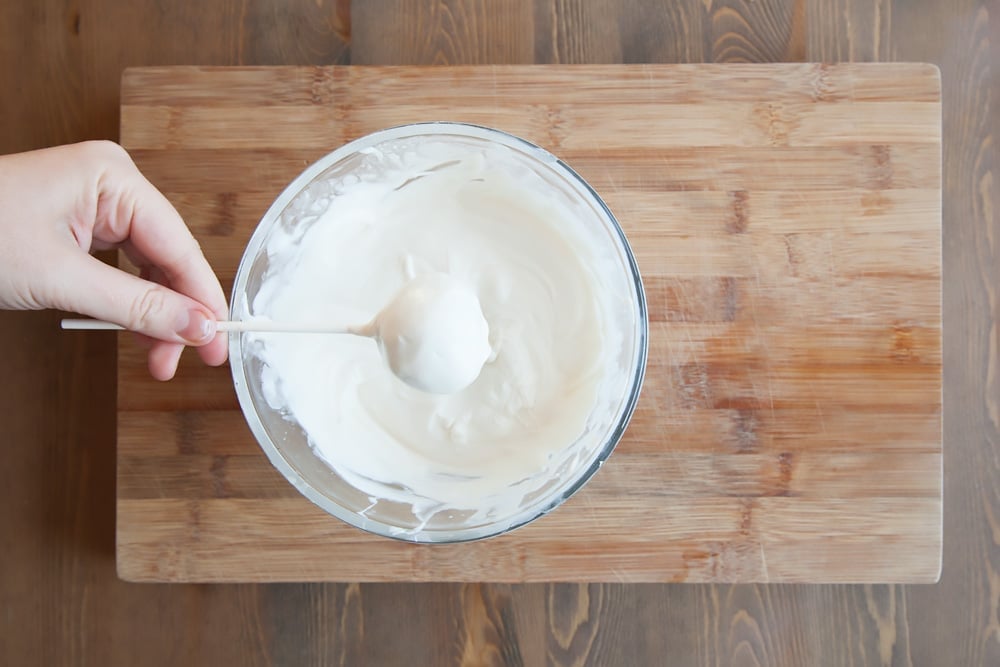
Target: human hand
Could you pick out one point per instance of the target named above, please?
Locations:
(58, 204)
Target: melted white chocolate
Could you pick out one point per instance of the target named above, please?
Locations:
(484, 219)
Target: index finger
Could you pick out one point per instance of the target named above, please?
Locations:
(132, 209)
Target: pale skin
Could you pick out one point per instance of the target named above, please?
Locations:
(59, 204)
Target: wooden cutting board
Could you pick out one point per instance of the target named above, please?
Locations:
(787, 222)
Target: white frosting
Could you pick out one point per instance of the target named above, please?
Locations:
(434, 335)
(423, 208)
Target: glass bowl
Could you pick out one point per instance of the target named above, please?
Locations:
(287, 445)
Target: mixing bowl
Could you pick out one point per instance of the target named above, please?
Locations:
(287, 445)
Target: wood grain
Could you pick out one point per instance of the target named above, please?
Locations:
(443, 32)
(572, 32)
(745, 502)
(968, 48)
(743, 32)
(857, 31)
(65, 605)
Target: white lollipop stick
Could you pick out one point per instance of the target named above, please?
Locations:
(238, 325)
(432, 333)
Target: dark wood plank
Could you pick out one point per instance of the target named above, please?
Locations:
(442, 32)
(755, 32)
(863, 31)
(293, 32)
(572, 31)
(963, 38)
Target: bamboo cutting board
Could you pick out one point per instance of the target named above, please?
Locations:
(787, 221)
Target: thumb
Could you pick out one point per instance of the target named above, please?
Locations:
(106, 293)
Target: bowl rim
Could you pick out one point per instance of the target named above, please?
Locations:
(257, 239)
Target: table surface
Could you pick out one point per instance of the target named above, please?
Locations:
(63, 601)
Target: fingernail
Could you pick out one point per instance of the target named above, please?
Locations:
(199, 328)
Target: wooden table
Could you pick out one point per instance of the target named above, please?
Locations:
(64, 603)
